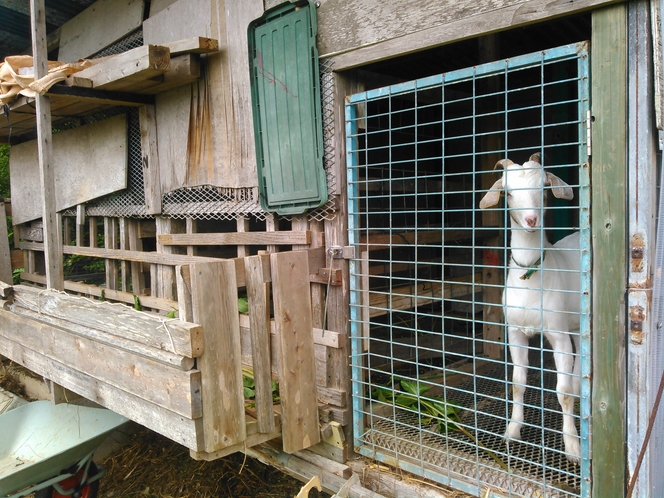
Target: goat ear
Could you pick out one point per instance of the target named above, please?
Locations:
(536, 157)
(503, 163)
(492, 197)
(559, 188)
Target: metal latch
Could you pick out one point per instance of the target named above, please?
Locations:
(341, 252)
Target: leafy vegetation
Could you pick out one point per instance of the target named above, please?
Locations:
(411, 396)
(250, 388)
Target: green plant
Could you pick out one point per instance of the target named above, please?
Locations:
(250, 388)
(444, 412)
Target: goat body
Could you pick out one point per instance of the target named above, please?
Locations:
(541, 292)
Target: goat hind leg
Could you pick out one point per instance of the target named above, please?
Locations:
(518, 342)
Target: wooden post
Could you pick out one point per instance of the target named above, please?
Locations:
(5, 254)
(609, 140)
(52, 235)
(111, 242)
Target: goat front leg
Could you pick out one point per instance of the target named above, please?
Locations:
(566, 387)
(518, 342)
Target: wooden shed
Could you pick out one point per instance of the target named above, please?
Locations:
(208, 194)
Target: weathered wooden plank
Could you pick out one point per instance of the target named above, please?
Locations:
(157, 355)
(185, 69)
(5, 254)
(214, 304)
(45, 164)
(258, 298)
(183, 282)
(178, 21)
(135, 244)
(176, 336)
(111, 242)
(236, 238)
(353, 36)
(90, 31)
(95, 291)
(297, 384)
(96, 152)
(120, 72)
(176, 427)
(150, 159)
(170, 388)
(194, 45)
(609, 139)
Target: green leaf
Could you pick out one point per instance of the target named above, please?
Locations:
(243, 304)
(414, 388)
(249, 393)
(137, 303)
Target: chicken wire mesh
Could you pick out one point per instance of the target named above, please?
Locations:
(205, 202)
(432, 378)
(209, 202)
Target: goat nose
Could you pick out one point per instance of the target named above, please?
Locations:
(531, 221)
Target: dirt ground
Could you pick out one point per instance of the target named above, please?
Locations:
(152, 466)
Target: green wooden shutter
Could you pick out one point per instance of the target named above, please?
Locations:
(285, 90)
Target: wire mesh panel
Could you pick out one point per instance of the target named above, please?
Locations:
(433, 376)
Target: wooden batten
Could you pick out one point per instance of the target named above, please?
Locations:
(236, 238)
(215, 307)
(293, 318)
(258, 298)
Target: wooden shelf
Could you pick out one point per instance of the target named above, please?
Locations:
(131, 78)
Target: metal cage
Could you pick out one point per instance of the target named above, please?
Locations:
(432, 376)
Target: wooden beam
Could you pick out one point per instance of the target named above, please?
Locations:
(293, 318)
(175, 336)
(185, 69)
(5, 254)
(236, 238)
(166, 422)
(215, 307)
(120, 72)
(194, 45)
(132, 373)
(609, 235)
(52, 237)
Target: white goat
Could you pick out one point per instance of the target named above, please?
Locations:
(542, 289)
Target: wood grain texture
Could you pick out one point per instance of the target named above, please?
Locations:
(90, 31)
(175, 336)
(609, 235)
(150, 159)
(176, 427)
(293, 319)
(258, 298)
(96, 152)
(353, 33)
(170, 388)
(236, 238)
(214, 304)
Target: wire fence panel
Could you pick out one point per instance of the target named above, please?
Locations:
(432, 368)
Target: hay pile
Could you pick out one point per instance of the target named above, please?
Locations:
(152, 466)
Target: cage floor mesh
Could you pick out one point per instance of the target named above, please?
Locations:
(537, 464)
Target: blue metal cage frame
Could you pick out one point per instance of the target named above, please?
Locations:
(416, 154)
